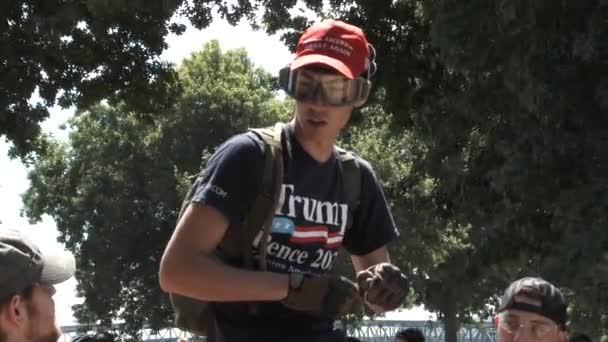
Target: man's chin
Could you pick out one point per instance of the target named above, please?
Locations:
(51, 336)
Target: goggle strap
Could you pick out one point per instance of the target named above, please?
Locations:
(371, 68)
(290, 80)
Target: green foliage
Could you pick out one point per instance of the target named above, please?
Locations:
(409, 71)
(521, 150)
(114, 190)
(510, 138)
(76, 53)
(435, 251)
(113, 198)
(224, 93)
(487, 128)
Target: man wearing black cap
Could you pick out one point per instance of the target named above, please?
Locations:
(27, 310)
(531, 309)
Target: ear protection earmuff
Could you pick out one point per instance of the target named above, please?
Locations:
(372, 67)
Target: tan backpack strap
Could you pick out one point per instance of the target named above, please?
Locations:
(277, 135)
(197, 316)
(351, 180)
(275, 182)
(263, 211)
(261, 214)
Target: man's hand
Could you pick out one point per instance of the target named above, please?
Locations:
(383, 287)
(329, 297)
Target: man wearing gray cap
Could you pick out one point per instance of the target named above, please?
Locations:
(531, 310)
(27, 276)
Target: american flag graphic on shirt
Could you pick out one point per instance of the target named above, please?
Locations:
(317, 234)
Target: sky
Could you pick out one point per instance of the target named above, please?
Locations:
(265, 51)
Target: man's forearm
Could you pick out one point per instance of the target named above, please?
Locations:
(209, 279)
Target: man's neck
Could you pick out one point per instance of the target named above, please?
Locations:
(15, 338)
(318, 148)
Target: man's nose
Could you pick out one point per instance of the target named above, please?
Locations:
(318, 97)
(522, 335)
(318, 104)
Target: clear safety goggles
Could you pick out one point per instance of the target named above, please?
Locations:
(333, 90)
(536, 329)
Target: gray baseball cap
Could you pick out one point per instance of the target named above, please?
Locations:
(23, 263)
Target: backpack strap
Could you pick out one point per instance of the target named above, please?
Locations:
(351, 180)
(197, 316)
(236, 245)
(262, 213)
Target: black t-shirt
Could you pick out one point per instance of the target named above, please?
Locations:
(307, 231)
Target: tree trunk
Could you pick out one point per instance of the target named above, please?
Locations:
(450, 325)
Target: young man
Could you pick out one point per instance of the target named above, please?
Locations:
(410, 335)
(27, 310)
(297, 298)
(531, 310)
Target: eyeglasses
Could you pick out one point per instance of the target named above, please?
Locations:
(536, 329)
(333, 90)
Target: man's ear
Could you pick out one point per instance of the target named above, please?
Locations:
(563, 336)
(15, 311)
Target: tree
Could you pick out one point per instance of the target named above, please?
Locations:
(77, 53)
(115, 189)
(504, 104)
(511, 135)
(436, 253)
(520, 151)
(409, 70)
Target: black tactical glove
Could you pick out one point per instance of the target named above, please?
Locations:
(329, 297)
(383, 287)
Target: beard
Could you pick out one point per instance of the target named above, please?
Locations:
(51, 336)
(39, 329)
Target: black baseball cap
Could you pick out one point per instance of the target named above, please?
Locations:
(552, 303)
(23, 263)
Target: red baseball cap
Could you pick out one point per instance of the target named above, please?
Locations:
(335, 44)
